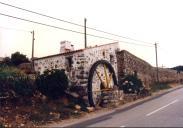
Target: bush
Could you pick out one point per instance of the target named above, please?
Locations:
(8, 71)
(80, 90)
(23, 86)
(131, 84)
(159, 86)
(52, 83)
(15, 83)
(6, 61)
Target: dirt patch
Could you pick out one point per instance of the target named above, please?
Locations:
(40, 111)
(36, 111)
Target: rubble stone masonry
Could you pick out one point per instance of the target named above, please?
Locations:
(128, 64)
(78, 63)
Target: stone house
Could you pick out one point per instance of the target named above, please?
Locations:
(100, 67)
(78, 63)
(92, 68)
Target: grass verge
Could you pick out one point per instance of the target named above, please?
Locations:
(159, 86)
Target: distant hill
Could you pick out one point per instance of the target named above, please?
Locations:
(178, 68)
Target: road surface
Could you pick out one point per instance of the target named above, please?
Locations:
(164, 111)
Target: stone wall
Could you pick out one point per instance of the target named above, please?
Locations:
(169, 75)
(102, 52)
(128, 64)
(80, 62)
(61, 61)
(77, 65)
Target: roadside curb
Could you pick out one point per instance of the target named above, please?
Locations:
(101, 116)
(149, 98)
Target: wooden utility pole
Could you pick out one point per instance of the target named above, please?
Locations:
(32, 49)
(85, 33)
(157, 70)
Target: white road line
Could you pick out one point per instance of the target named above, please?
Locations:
(162, 108)
(122, 126)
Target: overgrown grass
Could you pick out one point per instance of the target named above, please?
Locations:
(6, 71)
(15, 83)
(159, 86)
(18, 90)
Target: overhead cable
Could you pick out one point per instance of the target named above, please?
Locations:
(74, 23)
(44, 24)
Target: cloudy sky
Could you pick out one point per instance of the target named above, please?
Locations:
(151, 21)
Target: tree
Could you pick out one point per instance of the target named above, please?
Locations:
(7, 61)
(18, 58)
(178, 68)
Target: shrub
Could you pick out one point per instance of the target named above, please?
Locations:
(159, 86)
(131, 84)
(80, 90)
(15, 83)
(23, 86)
(6, 61)
(8, 71)
(52, 83)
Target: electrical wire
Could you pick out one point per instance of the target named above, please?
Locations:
(71, 30)
(40, 23)
(73, 23)
(120, 41)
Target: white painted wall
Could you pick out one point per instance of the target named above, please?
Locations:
(82, 61)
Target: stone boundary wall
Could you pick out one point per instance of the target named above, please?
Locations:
(129, 63)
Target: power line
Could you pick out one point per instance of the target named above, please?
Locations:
(41, 14)
(73, 23)
(40, 23)
(73, 30)
(119, 36)
(120, 41)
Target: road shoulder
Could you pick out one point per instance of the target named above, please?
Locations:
(110, 111)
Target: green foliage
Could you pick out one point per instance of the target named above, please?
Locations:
(7, 61)
(178, 68)
(80, 90)
(131, 84)
(18, 58)
(7, 71)
(16, 86)
(15, 83)
(23, 86)
(52, 83)
(160, 86)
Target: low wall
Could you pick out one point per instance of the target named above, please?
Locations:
(129, 63)
(169, 75)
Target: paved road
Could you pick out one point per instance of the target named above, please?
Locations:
(165, 111)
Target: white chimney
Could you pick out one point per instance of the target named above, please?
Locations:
(66, 46)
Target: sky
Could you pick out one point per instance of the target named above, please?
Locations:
(159, 21)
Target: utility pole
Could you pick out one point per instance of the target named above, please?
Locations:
(85, 33)
(157, 72)
(32, 49)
